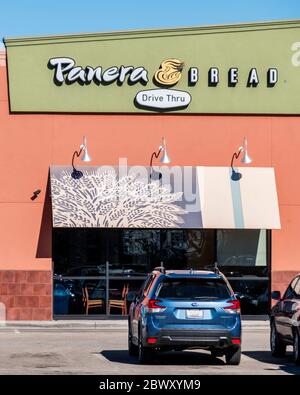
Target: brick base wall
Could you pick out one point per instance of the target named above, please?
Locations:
(27, 295)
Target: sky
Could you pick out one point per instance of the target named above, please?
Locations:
(41, 17)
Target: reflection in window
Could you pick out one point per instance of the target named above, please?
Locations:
(242, 257)
(242, 251)
(79, 252)
(84, 252)
(252, 293)
(192, 248)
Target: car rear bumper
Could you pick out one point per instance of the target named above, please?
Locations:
(193, 338)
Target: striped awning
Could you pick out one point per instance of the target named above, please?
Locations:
(184, 197)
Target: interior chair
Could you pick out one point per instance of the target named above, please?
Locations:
(90, 303)
(120, 303)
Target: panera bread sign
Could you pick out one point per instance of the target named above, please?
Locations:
(165, 97)
(235, 69)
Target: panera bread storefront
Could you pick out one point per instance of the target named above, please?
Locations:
(79, 237)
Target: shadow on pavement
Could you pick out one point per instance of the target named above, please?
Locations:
(168, 358)
(284, 364)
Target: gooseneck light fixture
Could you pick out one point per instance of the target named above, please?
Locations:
(76, 174)
(164, 159)
(236, 176)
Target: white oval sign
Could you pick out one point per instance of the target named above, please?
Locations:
(163, 99)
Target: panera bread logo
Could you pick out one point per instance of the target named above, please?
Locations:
(66, 71)
(169, 73)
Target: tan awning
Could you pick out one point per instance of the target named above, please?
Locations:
(185, 197)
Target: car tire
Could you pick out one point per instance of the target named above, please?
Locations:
(278, 348)
(145, 354)
(296, 347)
(233, 355)
(133, 350)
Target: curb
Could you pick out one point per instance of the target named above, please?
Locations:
(101, 324)
(85, 324)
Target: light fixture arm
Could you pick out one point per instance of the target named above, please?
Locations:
(77, 154)
(77, 174)
(164, 159)
(155, 155)
(235, 156)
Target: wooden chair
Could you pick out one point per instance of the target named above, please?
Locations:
(120, 303)
(90, 303)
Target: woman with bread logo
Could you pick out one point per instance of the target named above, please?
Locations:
(169, 72)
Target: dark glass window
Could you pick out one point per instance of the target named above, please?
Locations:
(80, 256)
(84, 252)
(242, 252)
(79, 252)
(190, 248)
(242, 257)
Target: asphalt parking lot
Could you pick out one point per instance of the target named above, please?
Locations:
(103, 350)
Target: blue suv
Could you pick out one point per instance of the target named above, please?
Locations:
(181, 309)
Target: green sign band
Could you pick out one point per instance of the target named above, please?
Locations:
(224, 69)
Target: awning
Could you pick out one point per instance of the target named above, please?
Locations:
(184, 197)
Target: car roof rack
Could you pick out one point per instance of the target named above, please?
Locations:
(160, 269)
(216, 269)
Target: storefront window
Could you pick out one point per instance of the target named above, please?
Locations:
(84, 252)
(98, 271)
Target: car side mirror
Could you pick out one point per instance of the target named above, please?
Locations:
(275, 295)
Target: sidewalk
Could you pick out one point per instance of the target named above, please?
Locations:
(117, 324)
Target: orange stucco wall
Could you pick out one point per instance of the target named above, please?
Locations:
(32, 142)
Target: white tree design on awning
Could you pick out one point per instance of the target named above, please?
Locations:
(101, 199)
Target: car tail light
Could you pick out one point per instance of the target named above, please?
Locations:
(236, 341)
(152, 340)
(154, 307)
(234, 307)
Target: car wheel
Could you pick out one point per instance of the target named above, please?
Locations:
(296, 348)
(278, 348)
(145, 354)
(233, 355)
(132, 348)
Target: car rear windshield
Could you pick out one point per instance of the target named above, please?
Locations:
(193, 288)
